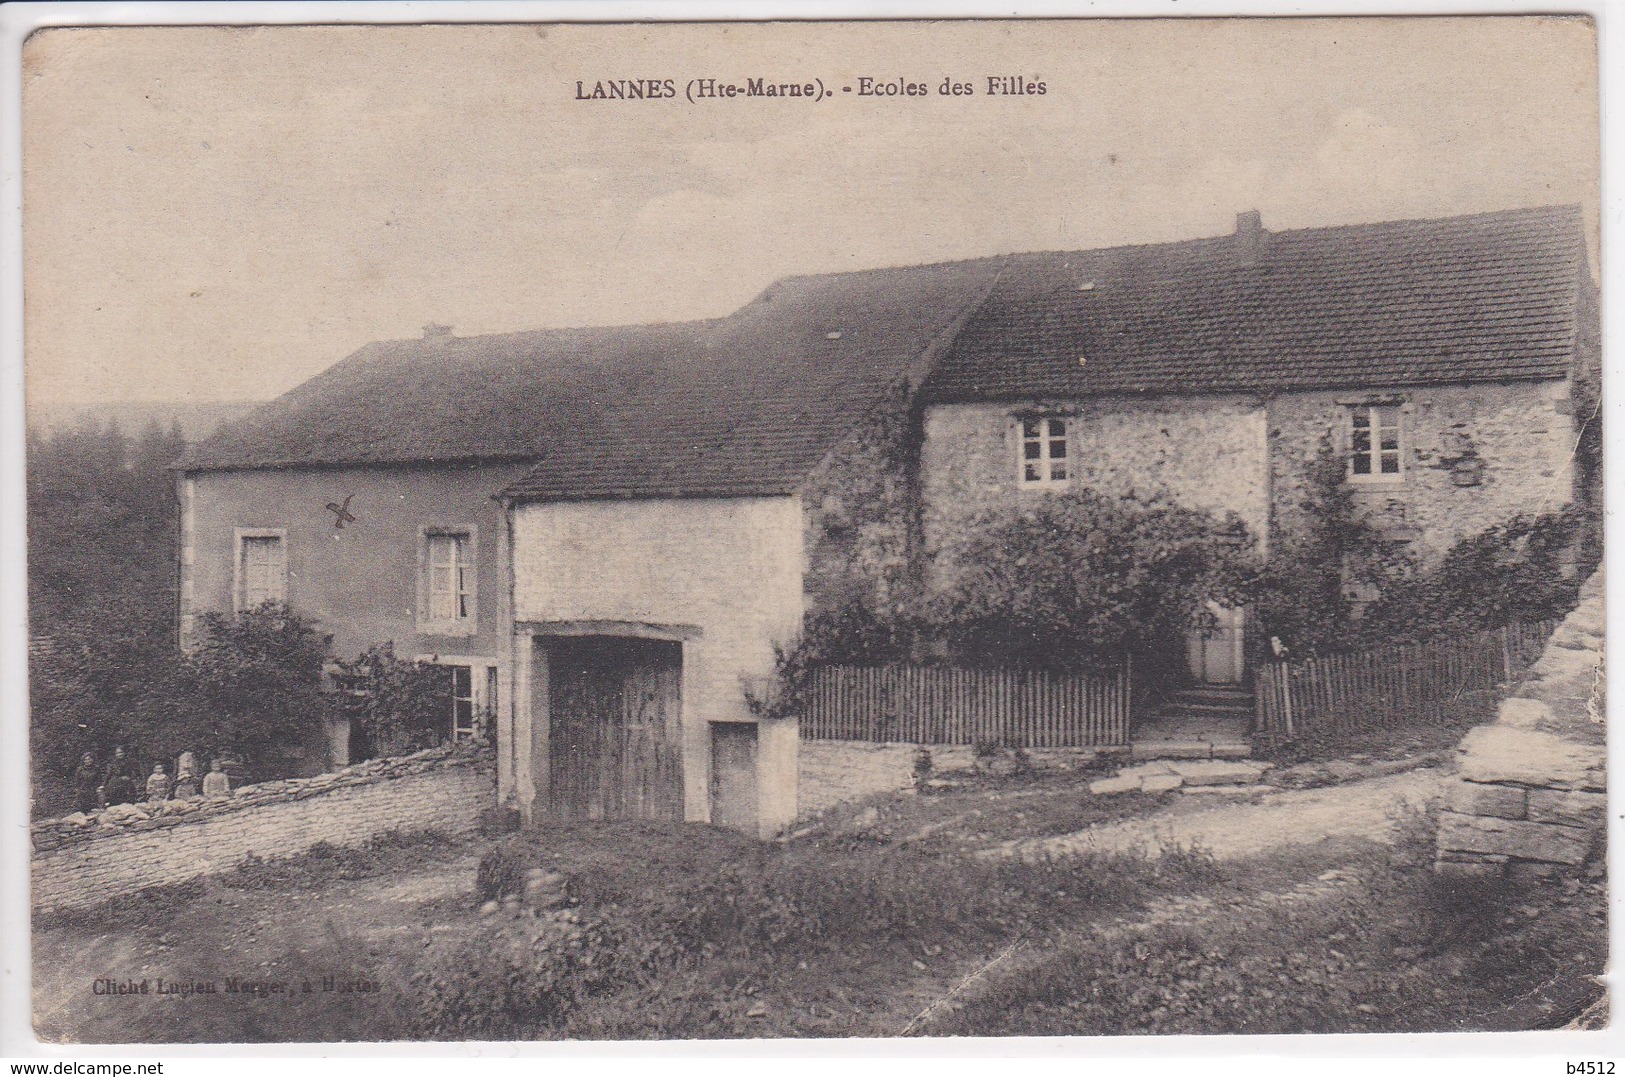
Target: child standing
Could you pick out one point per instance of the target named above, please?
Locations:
(157, 784)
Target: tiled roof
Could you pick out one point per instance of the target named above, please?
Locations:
(743, 405)
(770, 390)
(450, 399)
(1476, 298)
(750, 403)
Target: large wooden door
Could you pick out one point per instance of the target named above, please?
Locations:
(614, 744)
(733, 776)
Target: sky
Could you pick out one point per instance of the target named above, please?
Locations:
(215, 214)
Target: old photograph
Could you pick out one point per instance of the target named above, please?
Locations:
(814, 530)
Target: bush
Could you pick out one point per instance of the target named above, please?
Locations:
(1080, 578)
(1520, 571)
(745, 906)
(501, 872)
(396, 705)
(519, 977)
(1527, 569)
(254, 686)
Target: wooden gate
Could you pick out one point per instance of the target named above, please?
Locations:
(615, 748)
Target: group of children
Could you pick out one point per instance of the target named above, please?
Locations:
(97, 787)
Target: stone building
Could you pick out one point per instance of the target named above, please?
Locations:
(612, 529)
(1448, 364)
(661, 553)
(607, 529)
(366, 497)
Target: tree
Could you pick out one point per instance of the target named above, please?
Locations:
(102, 523)
(254, 684)
(1303, 596)
(1079, 578)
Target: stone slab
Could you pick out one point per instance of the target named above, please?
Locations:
(1105, 786)
(1501, 801)
(1174, 749)
(1145, 770)
(1506, 753)
(1524, 713)
(1514, 838)
(1230, 790)
(1217, 772)
(1160, 783)
(1568, 808)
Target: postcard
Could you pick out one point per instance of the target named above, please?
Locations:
(818, 529)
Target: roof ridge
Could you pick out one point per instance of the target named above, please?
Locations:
(1566, 208)
(547, 329)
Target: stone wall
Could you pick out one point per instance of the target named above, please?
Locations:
(1473, 457)
(861, 513)
(1530, 793)
(80, 861)
(1203, 452)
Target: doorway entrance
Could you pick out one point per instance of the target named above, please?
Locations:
(733, 776)
(1219, 656)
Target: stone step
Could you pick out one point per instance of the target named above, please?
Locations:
(1214, 694)
(1180, 709)
(1189, 749)
(1167, 775)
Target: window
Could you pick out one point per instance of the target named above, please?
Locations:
(262, 568)
(471, 682)
(1374, 443)
(449, 589)
(462, 703)
(1043, 451)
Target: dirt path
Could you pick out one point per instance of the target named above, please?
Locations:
(1363, 809)
(271, 934)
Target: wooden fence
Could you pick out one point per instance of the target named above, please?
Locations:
(945, 705)
(1388, 685)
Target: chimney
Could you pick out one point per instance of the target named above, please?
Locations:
(436, 331)
(1249, 236)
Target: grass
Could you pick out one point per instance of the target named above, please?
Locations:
(1396, 950)
(829, 929)
(1392, 741)
(854, 929)
(322, 864)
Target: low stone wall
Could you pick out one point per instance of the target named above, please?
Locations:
(80, 860)
(1529, 795)
(836, 771)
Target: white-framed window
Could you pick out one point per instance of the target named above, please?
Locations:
(1043, 460)
(473, 682)
(262, 567)
(463, 705)
(1375, 440)
(449, 590)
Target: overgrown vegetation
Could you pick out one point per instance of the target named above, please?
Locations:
(766, 907)
(1525, 570)
(395, 705)
(1080, 579)
(1391, 948)
(1335, 582)
(1073, 582)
